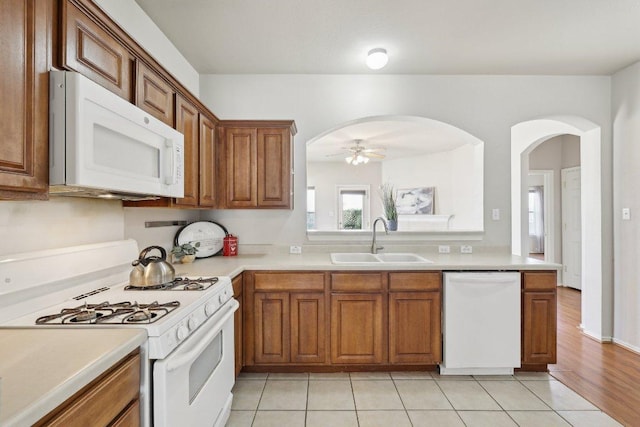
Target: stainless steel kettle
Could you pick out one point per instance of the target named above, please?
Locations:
(151, 270)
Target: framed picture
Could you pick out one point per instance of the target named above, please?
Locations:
(415, 201)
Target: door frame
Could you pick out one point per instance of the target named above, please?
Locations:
(597, 220)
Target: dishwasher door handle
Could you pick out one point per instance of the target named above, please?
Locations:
(467, 278)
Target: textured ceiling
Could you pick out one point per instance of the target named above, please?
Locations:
(422, 36)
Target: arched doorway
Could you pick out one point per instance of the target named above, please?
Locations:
(526, 136)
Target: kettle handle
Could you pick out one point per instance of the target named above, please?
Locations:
(163, 252)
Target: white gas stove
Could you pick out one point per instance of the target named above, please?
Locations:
(189, 322)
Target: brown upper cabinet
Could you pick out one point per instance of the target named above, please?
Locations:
(257, 164)
(24, 162)
(77, 35)
(154, 95)
(90, 50)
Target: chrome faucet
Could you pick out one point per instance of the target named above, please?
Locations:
(374, 247)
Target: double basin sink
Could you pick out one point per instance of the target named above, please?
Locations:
(365, 258)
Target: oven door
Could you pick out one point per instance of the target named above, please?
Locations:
(192, 386)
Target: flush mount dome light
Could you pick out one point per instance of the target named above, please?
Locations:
(377, 58)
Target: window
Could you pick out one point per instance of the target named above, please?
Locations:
(311, 208)
(353, 207)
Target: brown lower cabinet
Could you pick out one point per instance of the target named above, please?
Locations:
(112, 399)
(539, 321)
(237, 322)
(357, 328)
(349, 319)
(333, 320)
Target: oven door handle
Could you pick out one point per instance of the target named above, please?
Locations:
(203, 342)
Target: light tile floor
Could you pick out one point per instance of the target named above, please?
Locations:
(398, 399)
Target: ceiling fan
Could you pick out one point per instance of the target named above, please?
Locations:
(358, 153)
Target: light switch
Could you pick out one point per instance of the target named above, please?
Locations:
(626, 214)
(495, 214)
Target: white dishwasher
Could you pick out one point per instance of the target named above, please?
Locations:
(481, 323)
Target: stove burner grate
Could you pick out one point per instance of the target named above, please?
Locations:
(107, 313)
(179, 284)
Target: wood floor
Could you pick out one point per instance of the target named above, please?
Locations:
(605, 374)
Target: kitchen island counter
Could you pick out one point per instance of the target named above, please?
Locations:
(232, 266)
(41, 368)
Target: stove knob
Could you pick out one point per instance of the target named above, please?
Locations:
(182, 332)
(210, 308)
(192, 324)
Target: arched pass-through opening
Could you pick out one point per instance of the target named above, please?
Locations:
(526, 136)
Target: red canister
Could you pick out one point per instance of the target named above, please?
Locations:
(230, 245)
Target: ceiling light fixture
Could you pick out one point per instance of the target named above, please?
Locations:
(377, 58)
(357, 159)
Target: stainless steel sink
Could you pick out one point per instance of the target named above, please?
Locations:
(365, 258)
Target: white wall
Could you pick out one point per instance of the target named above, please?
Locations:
(455, 178)
(484, 106)
(142, 29)
(326, 176)
(59, 222)
(626, 176)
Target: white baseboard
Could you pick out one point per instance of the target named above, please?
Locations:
(626, 345)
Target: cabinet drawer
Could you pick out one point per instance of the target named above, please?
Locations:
(93, 52)
(130, 417)
(357, 281)
(103, 400)
(539, 281)
(288, 281)
(431, 281)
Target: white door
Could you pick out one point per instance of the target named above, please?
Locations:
(571, 229)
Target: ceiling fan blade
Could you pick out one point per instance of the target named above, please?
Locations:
(373, 150)
(375, 155)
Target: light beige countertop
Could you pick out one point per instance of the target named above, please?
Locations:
(41, 368)
(232, 266)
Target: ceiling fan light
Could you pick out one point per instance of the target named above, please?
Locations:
(377, 58)
(365, 160)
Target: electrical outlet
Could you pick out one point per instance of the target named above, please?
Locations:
(495, 214)
(293, 249)
(466, 249)
(444, 249)
(626, 214)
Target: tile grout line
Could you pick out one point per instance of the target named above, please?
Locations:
(554, 410)
(448, 400)
(393, 381)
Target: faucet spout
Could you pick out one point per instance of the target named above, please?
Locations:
(374, 246)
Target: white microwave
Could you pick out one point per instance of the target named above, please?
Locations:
(103, 146)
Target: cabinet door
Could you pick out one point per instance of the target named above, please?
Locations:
(237, 323)
(308, 333)
(90, 50)
(274, 168)
(241, 174)
(539, 327)
(207, 162)
(414, 327)
(271, 327)
(187, 124)
(24, 85)
(154, 95)
(357, 335)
